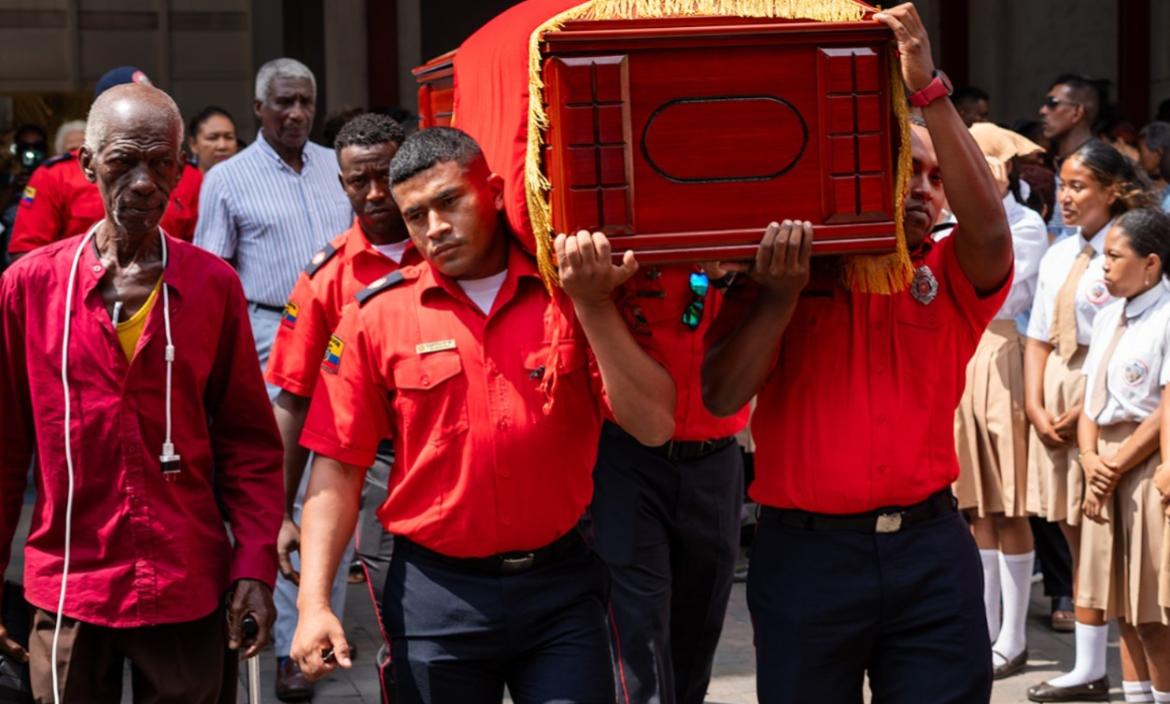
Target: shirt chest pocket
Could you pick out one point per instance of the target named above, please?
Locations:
(431, 397)
(572, 385)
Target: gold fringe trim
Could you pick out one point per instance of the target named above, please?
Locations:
(816, 10)
(889, 273)
(884, 274)
(536, 184)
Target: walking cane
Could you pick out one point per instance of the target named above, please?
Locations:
(251, 628)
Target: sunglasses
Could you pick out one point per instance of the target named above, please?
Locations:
(693, 314)
(1052, 102)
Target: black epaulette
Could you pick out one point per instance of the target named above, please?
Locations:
(377, 286)
(323, 255)
(59, 159)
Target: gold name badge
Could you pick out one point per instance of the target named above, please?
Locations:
(436, 346)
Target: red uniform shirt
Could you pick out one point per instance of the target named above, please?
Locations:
(859, 410)
(330, 280)
(144, 550)
(480, 468)
(653, 302)
(60, 202)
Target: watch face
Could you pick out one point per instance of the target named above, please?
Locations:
(945, 79)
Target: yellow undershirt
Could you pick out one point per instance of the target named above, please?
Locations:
(130, 330)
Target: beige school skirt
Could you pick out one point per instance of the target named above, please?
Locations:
(1121, 558)
(1055, 484)
(1164, 592)
(991, 429)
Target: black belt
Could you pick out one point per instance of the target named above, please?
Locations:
(883, 520)
(504, 563)
(265, 306)
(680, 450)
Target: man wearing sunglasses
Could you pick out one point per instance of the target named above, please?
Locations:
(1068, 114)
(666, 519)
(861, 563)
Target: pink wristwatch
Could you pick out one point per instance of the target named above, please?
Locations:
(937, 88)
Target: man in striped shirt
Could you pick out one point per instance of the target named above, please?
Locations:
(268, 210)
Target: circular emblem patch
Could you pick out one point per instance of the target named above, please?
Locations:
(924, 287)
(1098, 293)
(1135, 372)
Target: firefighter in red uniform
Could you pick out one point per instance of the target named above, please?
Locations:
(861, 563)
(666, 519)
(60, 201)
(483, 380)
(375, 245)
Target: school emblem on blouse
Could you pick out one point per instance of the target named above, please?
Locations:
(924, 287)
(1135, 372)
(1097, 293)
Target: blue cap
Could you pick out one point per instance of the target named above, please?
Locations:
(118, 76)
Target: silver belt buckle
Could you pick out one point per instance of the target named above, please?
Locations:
(889, 522)
(518, 564)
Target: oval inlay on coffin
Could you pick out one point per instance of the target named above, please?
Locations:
(724, 139)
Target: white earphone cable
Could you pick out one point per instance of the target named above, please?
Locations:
(68, 453)
(168, 449)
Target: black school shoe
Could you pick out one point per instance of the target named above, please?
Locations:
(1010, 667)
(1095, 691)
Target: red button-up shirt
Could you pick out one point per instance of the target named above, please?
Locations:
(60, 202)
(314, 307)
(480, 468)
(144, 550)
(653, 302)
(858, 412)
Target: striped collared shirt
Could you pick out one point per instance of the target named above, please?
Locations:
(254, 209)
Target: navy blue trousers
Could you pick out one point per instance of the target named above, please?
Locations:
(458, 636)
(905, 607)
(669, 531)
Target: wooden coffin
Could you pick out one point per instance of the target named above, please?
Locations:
(681, 139)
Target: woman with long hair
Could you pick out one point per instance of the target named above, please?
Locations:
(1098, 185)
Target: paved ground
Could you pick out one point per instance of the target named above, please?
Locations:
(733, 682)
(734, 678)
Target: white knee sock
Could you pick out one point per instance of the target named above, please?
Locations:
(1016, 578)
(1160, 696)
(991, 589)
(1092, 642)
(1137, 691)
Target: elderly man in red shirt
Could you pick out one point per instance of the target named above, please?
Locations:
(862, 563)
(127, 369)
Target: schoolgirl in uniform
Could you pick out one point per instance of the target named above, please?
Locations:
(1127, 366)
(991, 430)
(1098, 184)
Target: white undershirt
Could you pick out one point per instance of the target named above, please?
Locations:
(484, 291)
(393, 251)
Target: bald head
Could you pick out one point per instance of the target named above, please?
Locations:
(132, 106)
(131, 152)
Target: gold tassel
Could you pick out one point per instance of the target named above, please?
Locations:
(889, 273)
(816, 10)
